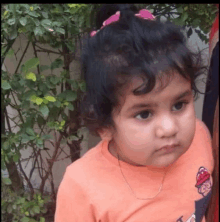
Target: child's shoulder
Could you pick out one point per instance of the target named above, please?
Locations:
(203, 130)
(86, 165)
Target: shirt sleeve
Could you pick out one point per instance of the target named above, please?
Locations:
(72, 205)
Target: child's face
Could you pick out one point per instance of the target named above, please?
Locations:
(141, 132)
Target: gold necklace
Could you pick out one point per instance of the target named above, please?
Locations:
(132, 189)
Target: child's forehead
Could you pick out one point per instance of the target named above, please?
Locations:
(165, 87)
(161, 82)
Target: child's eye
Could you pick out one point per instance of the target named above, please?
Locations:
(144, 115)
(180, 105)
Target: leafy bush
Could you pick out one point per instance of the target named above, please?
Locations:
(19, 206)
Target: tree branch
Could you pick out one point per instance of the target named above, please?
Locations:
(16, 124)
(52, 186)
(33, 168)
(22, 56)
(35, 53)
(26, 178)
(51, 162)
(7, 119)
(10, 43)
(61, 150)
(17, 109)
(46, 50)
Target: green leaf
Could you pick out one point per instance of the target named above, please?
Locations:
(10, 53)
(6, 181)
(180, 9)
(25, 104)
(25, 138)
(70, 107)
(13, 34)
(3, 167)
(6, 145)
(60, 30)
(184, 16)
(46, 22)
(196, 22)
(62, 123)
(16, 157)
(36, 209)
(29, 94)
(11, 21)
(56, 24)
(73, 83)
(25, 219)
(23, 21)
(38, 100)
(31, 76)
(43, 88)
(71, 46)
(50, 98)
(37, 22)
(56, 64)
(47, 137)
(15, 85)
(68, 95)
(22, 200)
(45, 101)
(178, 21)
(33, 98)
(34, 14)
(38, 31)
(45, 67)
(32, 137)
(39, 141)
(40, 120)
(9, 209)
(44, 110)
(71, 96)
(200, 12)
(72, 5)
(5, 13)
(31, 63)
(45, 14)
(57, 103)
(82, 86)
(30, 131)
(42, 219)
(5, 85)
(54, 79)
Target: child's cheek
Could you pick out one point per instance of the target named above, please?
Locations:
(137, 137)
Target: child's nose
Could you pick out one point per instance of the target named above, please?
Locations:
(167, 127)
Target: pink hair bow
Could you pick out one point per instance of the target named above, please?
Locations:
(143, 13)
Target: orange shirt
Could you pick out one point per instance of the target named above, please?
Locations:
(93, 188)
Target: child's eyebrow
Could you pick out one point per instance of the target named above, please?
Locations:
(142, 105)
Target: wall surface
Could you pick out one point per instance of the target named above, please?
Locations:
(89, 141)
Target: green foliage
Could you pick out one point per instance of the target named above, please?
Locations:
(42, 102)
(19, 206)
(188, 15)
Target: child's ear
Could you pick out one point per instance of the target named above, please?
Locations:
(105, 134)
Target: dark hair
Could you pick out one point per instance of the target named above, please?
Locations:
(130, 47)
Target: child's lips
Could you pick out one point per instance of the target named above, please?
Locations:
(168, 148)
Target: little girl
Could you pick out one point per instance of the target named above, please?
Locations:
(154, 161)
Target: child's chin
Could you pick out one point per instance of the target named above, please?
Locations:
(164, 164)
